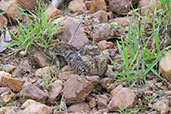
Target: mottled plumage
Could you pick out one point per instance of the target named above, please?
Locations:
(89, 60)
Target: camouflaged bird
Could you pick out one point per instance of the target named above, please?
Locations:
(88, 61)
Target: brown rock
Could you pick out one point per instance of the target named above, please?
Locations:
(80, 107)
(101, 15)
(111, 87)
(46, 71)
(74, 34)
(88, 4)
(102, 31)
(121, 97)
(161, 106)
(3, 22)
(122, 21)
(148, 10)
(105, 45)
(37, 108)
(98, 5)
(52, 12)
(77, 89)
(92, 102)
(30, 91)
(115, 90)
(40, 59)
(13, 83)
(77, 6)
(93, 79)
(27, 4)
(9, 68)
(119, 6)
(102, 101)
(65, 75)
(9, 8)
(56, 89)
(165, 65)
(106, 82)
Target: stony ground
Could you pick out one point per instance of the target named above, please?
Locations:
(30, 83)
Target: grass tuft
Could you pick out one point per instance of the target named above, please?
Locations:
(142, 52)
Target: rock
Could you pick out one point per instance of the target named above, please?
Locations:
(52, 12)
(9, 68)
(27, 103)
(161, 106)
(88, 4)
(115, 90)
(165, 66)
(3, 22)
(4, 74)
(77, 89)
(102, 101)
(6, 97)
(56, 89)
(30, 91)
(122, 21)
(57, 3)
(46, 71)
(40, 59)
(37, 108)
(101, 31)
(4, 89)
(121, 97)
(74, 34)
(65, 75)
(105, 45)
(111, 87)
(13, 83)
(92, 102)
(98, 5)
(149, 3)
(11, 111)
(106, 82)
(104, 111)
(77, 6)
(119, 6)
(101, 15)
(168, 93)
(109, 71)
(93, 79)
(22, 53)
(23, 69)
(104, 31)
(80, 107)
(27, 4)
(9, 8)
(8, 110)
